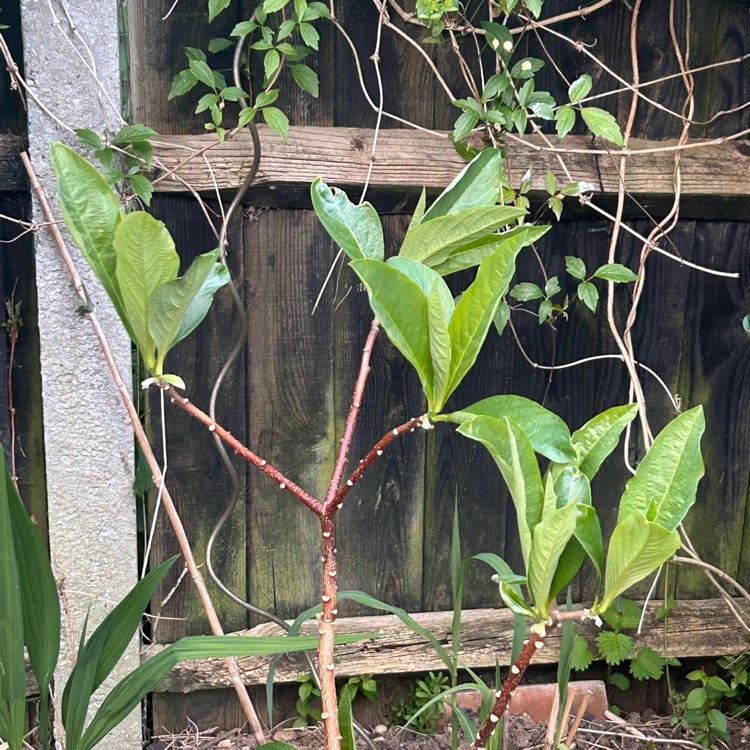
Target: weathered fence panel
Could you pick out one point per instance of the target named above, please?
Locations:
(290, 393)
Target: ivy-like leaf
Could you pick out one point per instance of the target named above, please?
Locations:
(306, 78)
(182, 83)
(581, 655)
(589, 295)
(619, 680)
(215, 7)
(647, 664)
(575, 267)
(614, 647)
(615, 272)
(565, 119)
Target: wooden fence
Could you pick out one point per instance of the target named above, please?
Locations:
(289, 394)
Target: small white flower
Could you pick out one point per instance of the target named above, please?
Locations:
(495, 43)
(508, 46)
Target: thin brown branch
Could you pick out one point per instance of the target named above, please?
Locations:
(140, 434)
(241, 450)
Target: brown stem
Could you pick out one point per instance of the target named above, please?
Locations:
(502, 697)
(351, 420)
(241, 450)
(375, 452)
(169, 507)
(327, 632)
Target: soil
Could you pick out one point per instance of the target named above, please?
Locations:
(523, 734)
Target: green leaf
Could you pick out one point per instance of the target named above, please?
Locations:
(565, 119)
(39, 600)
(580, 88)
(277, 121)
(614, 647)
(310, 35)
(215, 7)
(271, 6)
(502, 316)
(306, 78)
(465, 123)
(526, 68)
(575, 267)
(432, 242)
(589, 295)
(440, 307)
(599, 437)
(476, 186)
(549, 539)
(475, 310)
(142, 187)
(179, 306)
(535, 6)
(129, 692)
(548, 434)
(183, 82)
(717, 719)
(146, 259)
(89, 137)
(624, 615)
(402, 308)
(91, 212)
(526, 291)
(203, 72)
(615, 272)
(346, 721)
(473, 254)
(619, 680)
(134, 134)
(513, 453)
(356, 229)
(550, 183)
(271, 62)
(12, 670)
(647, 664)
(601, 123)
(581, 656)
(637, 548)
(219, 44)
(666, 480)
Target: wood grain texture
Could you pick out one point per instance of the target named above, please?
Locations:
(487, 635)
(200, 486)
(380, 528)
(713, 177)
(12, 174)
(289, 403)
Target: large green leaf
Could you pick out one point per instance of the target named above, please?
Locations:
(637, 548)
(473, 254)
(549, 539)
(91, 212)
(179, 306)
(474, 313)
(12, 670)
(477, 185)
(103, 650)
(146, 259)
(39, 599)
(571, 486)
(129, 692)
(514, 455)
(433, 241)
(355, 229)
(548, 434)
(402, 308)
(600, 435)
(665, 482)
(440, 307)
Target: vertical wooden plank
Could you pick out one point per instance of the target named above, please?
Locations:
(196, 475)
(157, 54)
(12, 112)
(18, 282)
(380, 527)
(289, 403)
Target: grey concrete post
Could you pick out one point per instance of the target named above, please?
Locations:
(74, 72)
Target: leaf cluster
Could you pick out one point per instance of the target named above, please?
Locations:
(702, 709)
(615, 647)
(283, 38)
(134, 258)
